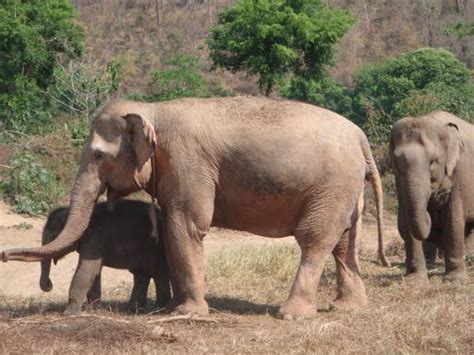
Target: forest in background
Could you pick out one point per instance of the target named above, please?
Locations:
(155, 50)
(130, 30)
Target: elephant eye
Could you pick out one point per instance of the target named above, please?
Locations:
(98, 155)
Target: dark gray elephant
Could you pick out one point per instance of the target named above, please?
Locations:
(118, 239)
(432, 158)
(272, 167)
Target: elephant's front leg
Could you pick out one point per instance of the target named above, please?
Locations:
(430, 250)
(453, 243)
(95, 293)
(82, 281)
(185, 256)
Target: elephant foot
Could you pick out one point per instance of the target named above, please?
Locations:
(72, 309)
(297, 310)
(162, 302)
(348, 303)
(134, 307)
(417, 279)
(456, 276)
(158, 307)
(431, 265)
(192, 307)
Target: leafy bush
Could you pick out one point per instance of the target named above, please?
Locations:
(181, 78)
(79, 130)
(325, 92)
(274, 38)
(461, 29)
(24, 107)
(34, 36)
(414, 83)
(30, 188)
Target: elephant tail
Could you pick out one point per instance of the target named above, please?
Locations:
(374, 178)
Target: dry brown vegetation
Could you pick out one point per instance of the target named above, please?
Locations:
(247, 278)
(128, 30)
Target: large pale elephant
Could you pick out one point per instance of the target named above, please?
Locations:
(432, 158)
(271, 167)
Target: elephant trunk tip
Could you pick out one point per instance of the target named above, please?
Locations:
(46, 285)
(383, 258)
(19, 255)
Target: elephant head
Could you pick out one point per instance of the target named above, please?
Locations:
(423, 155)
(116, 157)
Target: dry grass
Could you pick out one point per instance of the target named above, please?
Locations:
(245, 285)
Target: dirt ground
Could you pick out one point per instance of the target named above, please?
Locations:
(247, 277)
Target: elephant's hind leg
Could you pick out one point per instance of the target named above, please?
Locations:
(317, 235)
(161, 277)
(350, 287)
(163, 291)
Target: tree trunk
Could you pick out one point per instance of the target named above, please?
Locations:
(268, 90)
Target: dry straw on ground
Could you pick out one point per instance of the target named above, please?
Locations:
(246, 283)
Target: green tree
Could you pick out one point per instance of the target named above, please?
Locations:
(182, 77)
(414, 83)
(461, 29)
(34, 36)
(323, 91)
(274, 38)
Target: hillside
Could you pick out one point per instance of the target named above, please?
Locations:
(128, 30)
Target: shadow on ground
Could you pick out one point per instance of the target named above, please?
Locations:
(239, 306)
(15, 309)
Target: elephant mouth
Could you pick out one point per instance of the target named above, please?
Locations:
(441, 195)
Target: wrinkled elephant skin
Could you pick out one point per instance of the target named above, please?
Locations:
(118, 239)
(271, 167)
(432, 158)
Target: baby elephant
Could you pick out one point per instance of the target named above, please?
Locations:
(119, 239)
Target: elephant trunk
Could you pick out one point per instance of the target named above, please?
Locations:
(84, 195)
(415, 205)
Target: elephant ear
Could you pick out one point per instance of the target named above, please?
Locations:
(454, 149)
(143, 137)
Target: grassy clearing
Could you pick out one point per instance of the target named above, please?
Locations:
(245, 285)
